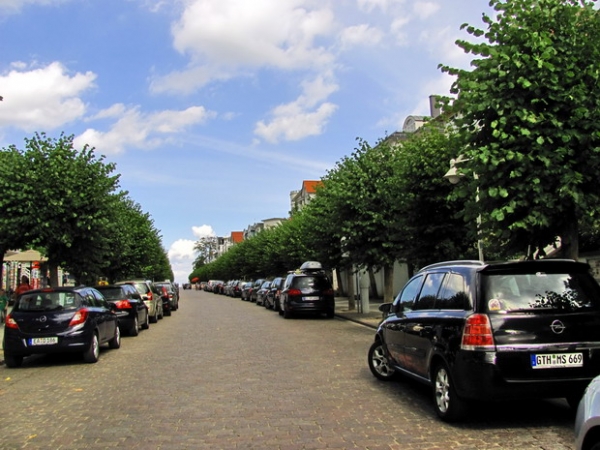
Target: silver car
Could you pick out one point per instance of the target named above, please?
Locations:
(587, 420)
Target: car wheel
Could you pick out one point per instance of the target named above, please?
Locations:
(154, 318)
(135, 328)
(146, 324)
(330, 314)
(379, 364)
(12, 361)
(448, 405)
(115, 342)
(287, 314)
(92, 354)
(168, 312)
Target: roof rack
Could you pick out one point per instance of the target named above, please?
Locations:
(464, 262)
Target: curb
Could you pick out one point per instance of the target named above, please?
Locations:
(361, 322)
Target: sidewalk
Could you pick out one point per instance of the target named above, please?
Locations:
(370, 319)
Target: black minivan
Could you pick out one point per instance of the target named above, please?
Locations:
(498, 331)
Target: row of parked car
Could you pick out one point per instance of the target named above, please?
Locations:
(305, 290)
(81, 319)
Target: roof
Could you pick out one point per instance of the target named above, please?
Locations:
(237, 236)
(310, 186)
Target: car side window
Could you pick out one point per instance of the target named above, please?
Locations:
(89, 298)
(429, 292)
(454, 295)
(100, 300)
(406, 299)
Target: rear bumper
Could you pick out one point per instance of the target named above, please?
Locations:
(312, 307)
(18, 343)
(477, 376)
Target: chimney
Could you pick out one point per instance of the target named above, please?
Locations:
(435, 109)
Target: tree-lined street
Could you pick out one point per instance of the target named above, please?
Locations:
(222, 373)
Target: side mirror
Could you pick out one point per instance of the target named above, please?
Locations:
(385, 308)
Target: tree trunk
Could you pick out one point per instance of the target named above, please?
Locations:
(570, 241)
(388, 283)
(53, 274)
(373, 285)
(351, 291)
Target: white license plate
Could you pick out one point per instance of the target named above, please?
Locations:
(43, 341)
(309, 299)
(556, 360)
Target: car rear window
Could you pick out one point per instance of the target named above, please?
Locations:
(311, 282)
(113, 293)
(47, 301)
(540, 291)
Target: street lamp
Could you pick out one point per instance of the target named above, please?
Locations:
(454, 177)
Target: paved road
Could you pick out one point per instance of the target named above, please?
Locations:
(225, 374)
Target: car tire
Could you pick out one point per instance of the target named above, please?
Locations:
(115, 342)
(146, 324)
(448, 405)
(330, 313)
(92, 353)
(379, 363)
(287, 314)
(12, 361)
(154, 318)
(135, 327)
(168, 312)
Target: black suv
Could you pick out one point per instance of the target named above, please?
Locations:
(308, 289)
(501, 331)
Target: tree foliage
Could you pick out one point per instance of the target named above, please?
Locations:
(527, 114)
(65, 202)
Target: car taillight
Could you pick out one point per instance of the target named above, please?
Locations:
(79, 317)
(296, 292)
(328, 292)
(477, 334)
(11, 323)
(123, 304)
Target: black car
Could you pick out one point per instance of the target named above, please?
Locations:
(130, 308)
(60, 320)
(272, 298)
(307, 290)
(255, 287)
(476, 331)
(169, 295)
(261, 294)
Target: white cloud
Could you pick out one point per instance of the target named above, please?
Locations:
(136, 129)
(306, 116)
(182, 254)
(383, 5)
(425, 9)
(363, 34)
(13, 6)
(229, 37)
(181, 249)
(203, 231)
(42, 97)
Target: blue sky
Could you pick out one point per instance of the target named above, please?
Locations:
(214, 110)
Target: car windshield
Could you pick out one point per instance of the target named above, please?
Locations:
(539, 291)
(47, 301)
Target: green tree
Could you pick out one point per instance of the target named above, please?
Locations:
(15, 196)
(66, 214)
(527, 113)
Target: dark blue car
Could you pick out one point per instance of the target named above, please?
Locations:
(60, 320)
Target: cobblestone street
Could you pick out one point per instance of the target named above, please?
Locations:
(225, 374)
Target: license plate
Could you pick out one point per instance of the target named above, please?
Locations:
(556, 360)
(43, 341)
(310, 299)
